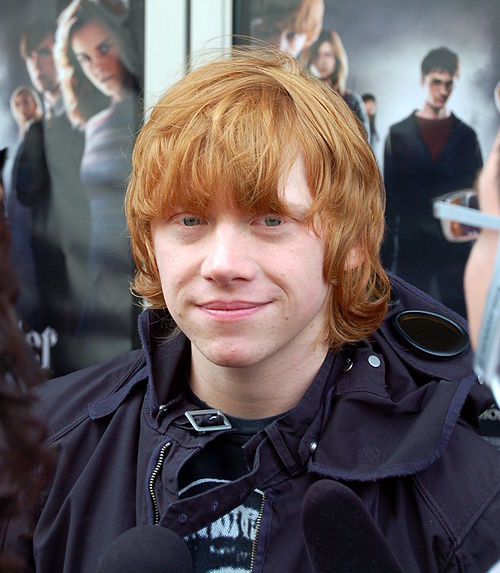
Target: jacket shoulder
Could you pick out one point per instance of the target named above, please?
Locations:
(64, 400)
(403, 126)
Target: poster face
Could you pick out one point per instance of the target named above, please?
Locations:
(71, 81)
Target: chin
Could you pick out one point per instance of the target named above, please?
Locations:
(230, 356)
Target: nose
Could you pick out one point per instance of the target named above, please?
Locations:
(228, 255)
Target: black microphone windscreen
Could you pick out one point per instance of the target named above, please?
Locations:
(146, 549)
(340, 534)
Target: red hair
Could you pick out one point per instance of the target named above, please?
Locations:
(240, 123)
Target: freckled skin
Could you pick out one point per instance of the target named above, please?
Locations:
(269, 265)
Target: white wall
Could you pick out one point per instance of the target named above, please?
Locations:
(169, 41)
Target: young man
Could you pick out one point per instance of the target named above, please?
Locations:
(46, 178)
(429, 153)
(255, 210)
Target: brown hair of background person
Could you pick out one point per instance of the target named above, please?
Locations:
(81, 97)
(25, 465)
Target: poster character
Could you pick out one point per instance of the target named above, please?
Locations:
(429, 153)
(46, 180)
(328, 60)
(96, 61)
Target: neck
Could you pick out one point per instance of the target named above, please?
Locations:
(431, 112)
(52, 96)
(266, 389)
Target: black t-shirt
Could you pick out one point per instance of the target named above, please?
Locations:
(226, 545)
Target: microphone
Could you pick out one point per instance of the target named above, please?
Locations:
(146, 548)
(340, 534)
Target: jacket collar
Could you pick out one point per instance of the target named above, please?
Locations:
(391, 414)
(395, 410)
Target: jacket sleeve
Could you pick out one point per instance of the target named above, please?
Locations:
(30, 176)
(480, 548)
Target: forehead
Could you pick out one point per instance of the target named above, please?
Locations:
(289, 195)
(23, 97)
(46, 44)
(438, 74)
(325, 48)
(91, 31)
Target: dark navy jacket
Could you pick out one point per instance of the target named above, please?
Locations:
(412, 180)
(398, 432)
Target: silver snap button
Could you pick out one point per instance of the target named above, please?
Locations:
(182, 518)
(348, 364)
(374, 361)
(214, 506)
(312, 446)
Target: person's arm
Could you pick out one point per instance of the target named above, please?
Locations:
(342, 60)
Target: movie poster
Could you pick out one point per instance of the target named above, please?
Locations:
(72, 77)
(372, 53)
(420, 77)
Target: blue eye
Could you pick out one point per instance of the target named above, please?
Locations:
(272, 221)
(104, 47)
(191, 221)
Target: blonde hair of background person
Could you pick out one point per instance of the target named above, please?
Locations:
(203, 133)
(23, 115)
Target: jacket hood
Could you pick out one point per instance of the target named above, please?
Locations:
(396, 418)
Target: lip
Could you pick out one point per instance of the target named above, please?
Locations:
(233, 309)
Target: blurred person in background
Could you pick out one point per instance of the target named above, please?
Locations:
(371, 111)
(290, 25)
(25, 106)
(96, 61)
(427, 154)
(460, 223)
(327, 59)
(46, 181)
(27, 111)
(25, 465)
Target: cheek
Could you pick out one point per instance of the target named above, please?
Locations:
(309, 276)
(174, 272)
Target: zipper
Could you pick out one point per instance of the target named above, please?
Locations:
(152, 479)
(257, 528)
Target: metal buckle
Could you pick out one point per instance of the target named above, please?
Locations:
(210, 420)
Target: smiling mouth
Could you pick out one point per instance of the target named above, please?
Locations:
(231, 305)
(232, 309)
